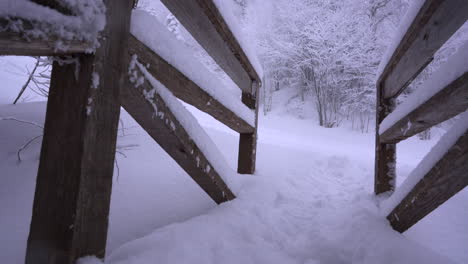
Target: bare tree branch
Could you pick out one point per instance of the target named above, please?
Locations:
(31, 74)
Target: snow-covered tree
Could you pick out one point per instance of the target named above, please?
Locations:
(329, 51)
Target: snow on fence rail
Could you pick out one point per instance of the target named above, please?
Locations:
(64, 32)
(441, 174)
(203, 19)
(427, 26)
(226, 8)
(444, 95)
(171, 50)
(80, 131)
(165, 119)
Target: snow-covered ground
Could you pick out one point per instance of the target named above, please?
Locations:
(310, 200)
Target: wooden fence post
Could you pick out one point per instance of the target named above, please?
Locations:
(385, 154)
(72, 197)
(248, 141)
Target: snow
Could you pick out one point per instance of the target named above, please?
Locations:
(226, 10)
(165, 44)
(89, 260)
(191, 126)
(95, 80)
(405, 23)
(89, 107)
(133, 73)
(436, 153)
(454, 68)
(310, 201)
(88, 21)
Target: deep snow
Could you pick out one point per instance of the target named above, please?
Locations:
(310, 201)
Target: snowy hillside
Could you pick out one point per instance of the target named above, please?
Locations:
(310, 201)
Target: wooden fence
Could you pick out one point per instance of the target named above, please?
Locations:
(74, 182)
(433, 25)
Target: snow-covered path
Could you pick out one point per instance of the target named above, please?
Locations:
(301, 207)
(310, 201)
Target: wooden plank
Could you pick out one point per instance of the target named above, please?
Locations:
(385, 154)
(444, 105)
(54, 4)
(204, 21)
(173, 138)
(436, 22)
(444, 180)
(74, 182)
(185, 89)
(247, 158)
(13, 43)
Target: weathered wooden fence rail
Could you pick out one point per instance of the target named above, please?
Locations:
(435, 22)
(74, 182)
(185, 89)
(205, 22)
(445, 179)
(173, 138)
(13, 43)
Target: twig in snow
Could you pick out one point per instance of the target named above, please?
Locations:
(118, 169)
(122, 126)
(26, 146)
(121, 153)
(21, 121)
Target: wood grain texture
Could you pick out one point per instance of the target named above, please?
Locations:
(74, 182)
(54, 4)
(436, 22)
(385, 154)
(444, 105)
(204, 21)
(173, 138)
(247, 158)
(185, 89)
(444, 180)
